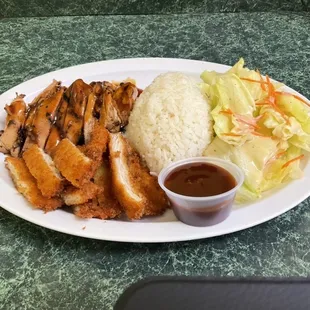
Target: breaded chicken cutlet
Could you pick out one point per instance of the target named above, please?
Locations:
(136, 190)
(97, 143)
(26, 184)
(70, 158)
(77, 168)
(76, 196)
(104, 205)
(42, 167)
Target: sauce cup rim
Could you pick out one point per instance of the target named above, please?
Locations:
(166, 171)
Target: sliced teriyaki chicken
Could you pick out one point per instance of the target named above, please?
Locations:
(11, 139)
(77, 95)
(117, 104)
(124, 98)
(46, 93)
(109, 117)
(136, 190)
(56, 134)
(98, 91)
(89, 118)
(32, 108)
(43, 119)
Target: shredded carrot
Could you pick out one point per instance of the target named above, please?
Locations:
(228, 111)
(247, 122)
(255, 81)
(280, 154)
(261, 103)
(231, 135)
(293, 95)
(292, 160)
(255, 133)
(262, 81)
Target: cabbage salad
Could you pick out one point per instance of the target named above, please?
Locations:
(260, 127)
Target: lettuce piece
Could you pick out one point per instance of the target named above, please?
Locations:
(296, 108)
(258, 160)
(276, 172)
(280, 127)
(229, 98)
(259, 128)
(251, 157)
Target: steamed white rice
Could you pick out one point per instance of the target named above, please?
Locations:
(170, 121)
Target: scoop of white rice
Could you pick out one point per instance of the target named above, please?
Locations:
(170, 121)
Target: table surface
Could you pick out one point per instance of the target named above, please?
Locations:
(42, 269)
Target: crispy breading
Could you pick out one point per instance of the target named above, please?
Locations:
(136, 190)
(76, 196)
(105, 205)
(42, 167)
(77, 168)
(93, 209)
(103, 178)
(97, 144)
(26, 184)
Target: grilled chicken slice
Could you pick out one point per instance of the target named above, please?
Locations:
(43, 119)
(89, 118)
(98, 91)
(136, 190)
(32, 108)
(11, 138)
(109, 117)
(56, 133)
(78, 94)
(46, 93)
(124, 98)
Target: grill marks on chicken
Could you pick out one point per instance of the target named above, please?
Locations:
(72, 153)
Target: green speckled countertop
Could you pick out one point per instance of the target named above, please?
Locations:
(42, 269)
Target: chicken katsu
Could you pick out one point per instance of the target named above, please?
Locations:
(138, 192)
(43, 169)
(66, 149)
(26, 184)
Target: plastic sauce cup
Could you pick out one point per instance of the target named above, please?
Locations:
(202, 211)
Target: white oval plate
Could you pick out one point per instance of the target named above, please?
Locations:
(154, 229)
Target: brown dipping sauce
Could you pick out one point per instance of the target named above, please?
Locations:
(201, 180)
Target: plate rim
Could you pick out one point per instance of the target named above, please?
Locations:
(83, 233)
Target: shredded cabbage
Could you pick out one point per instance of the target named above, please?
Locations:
(258, 127)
